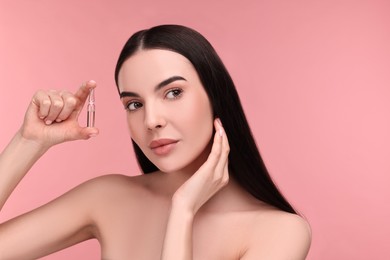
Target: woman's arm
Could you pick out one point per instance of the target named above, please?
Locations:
(51, 118)
(15, 161)
(208, 180)
(56, 225)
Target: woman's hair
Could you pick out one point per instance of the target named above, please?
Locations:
(245, 163)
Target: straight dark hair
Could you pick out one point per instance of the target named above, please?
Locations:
(245, 163)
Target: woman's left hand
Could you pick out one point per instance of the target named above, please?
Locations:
(211, 177)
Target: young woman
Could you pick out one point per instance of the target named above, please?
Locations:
(205, 194)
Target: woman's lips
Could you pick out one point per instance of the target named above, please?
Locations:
(162, 146)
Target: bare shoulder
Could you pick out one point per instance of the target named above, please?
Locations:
(109, 180)
(114, 185)
(279, 235)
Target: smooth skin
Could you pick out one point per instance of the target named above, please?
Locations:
(191, 210)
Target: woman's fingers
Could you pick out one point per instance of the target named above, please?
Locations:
(218, 158)
(216, 149)
(57, 106)
(83, 93)
(42, 103)
(221, 169)
(69, 105)
(48, 104)
(54, 106)
(223, 143)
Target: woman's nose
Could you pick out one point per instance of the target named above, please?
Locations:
(154, 118)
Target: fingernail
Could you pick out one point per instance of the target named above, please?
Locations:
(58, 120)
(92, 135)
(220, 131)
(48, 122)
(92, 81)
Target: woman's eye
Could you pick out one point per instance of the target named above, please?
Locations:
(131, 106)
(174, 93)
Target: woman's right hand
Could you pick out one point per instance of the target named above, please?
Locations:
(52, 117)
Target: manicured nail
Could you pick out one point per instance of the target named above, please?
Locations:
(48, 122)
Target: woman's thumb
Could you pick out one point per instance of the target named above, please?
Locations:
(88, 132)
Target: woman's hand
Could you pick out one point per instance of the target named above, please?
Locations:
(52, 117)
(212, 176)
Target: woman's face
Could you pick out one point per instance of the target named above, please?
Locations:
(168, 111)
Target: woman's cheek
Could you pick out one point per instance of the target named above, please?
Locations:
(198, 121)
(134, 128)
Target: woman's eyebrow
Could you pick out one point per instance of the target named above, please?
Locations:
(159, 86)
(168, 81)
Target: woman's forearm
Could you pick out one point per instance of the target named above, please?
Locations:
(178, 236)
(15, 161)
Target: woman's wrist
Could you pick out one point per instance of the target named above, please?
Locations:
(181, 206)
(33, 145)
(184, 213)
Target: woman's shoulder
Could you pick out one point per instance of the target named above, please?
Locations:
(289, 233)
(115, 192)
(284, 223)
(105, 189)
(119, 183)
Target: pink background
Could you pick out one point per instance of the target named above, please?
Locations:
(313, 77)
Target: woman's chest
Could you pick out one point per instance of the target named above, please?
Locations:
(140, 235)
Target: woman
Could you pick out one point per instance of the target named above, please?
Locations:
(208, 196)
